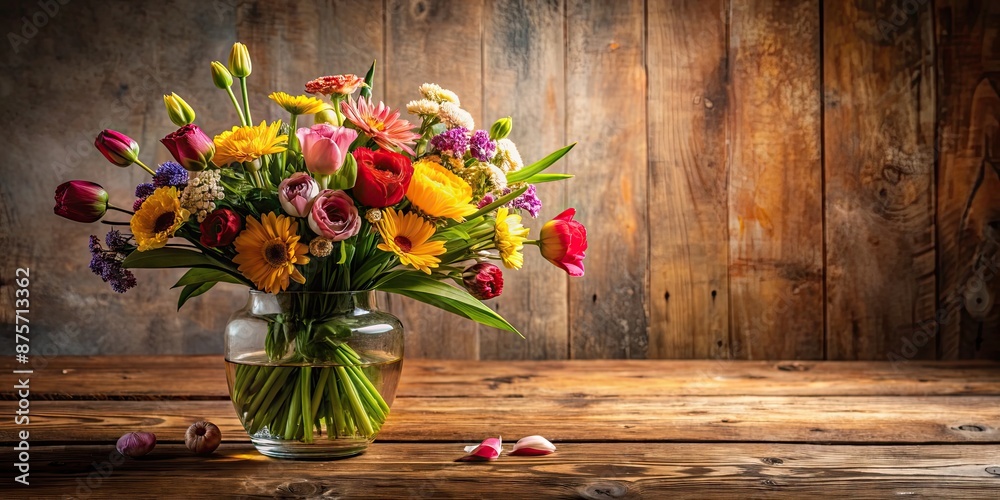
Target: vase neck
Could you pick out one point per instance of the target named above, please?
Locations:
(307, 304)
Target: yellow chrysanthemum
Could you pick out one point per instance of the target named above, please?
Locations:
(509, 238)
(245, 144)
(268, 250)
(299, 104)
(438, 192)
(406, 235)
(158, 218)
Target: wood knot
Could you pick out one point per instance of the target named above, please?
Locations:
(604, 489)
(301, 489)
(794, 367)
(772, 461)
(419, 10)
(971, 428)
(993, 470)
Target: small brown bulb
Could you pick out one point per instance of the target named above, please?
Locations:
(136, 444)
(203, 437)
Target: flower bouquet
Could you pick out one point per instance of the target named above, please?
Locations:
(312, 219)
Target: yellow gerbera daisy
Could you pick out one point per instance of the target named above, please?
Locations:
(438, 192)
(299, 104)
(268, 250)
(158, 218)
(245, 144)
(509, 238)
(406, 235)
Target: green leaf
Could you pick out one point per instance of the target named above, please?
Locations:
(428, 290)
(199, 275)
(499, 203)
(540, 178)
(167, 257)
(527, 172)
(191, 291)
(366, 91)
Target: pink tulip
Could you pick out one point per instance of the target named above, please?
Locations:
(334, 216)
(324, 147)
(489, 449)
(533, 445)
(117, 147)
(190, 147)
(81, 201)
(296, 194)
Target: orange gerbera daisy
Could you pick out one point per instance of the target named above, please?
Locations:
(406, 235)
(268, 250)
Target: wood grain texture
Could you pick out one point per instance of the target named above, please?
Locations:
(592, 470)
(968, 210)
(785, 419)
(879, 174)
(604, 69)
(94, 65)
(154, 377)
(776, 181)
(435, 41)
(686, 57)
(523, 77)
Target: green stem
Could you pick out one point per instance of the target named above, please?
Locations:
(355, 401)
(335, 406)
(293, 140)
(144, 167)
(293, 418)
(236, 104)
(305, 379)
(246, 102)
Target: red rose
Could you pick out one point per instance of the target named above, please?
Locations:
(220, 228)
(483, 280)
(383, 177)
(563, 242)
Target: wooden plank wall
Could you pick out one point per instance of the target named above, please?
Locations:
(761, 179)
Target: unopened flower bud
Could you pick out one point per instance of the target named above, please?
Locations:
(320, 247)
(221, 76)
(117, 147)
(178, 110)
(239, 61)
(373, 215)
(501, 128)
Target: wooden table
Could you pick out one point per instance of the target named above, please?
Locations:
(624, 429)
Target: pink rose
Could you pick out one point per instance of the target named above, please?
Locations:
(334, 216)
(296, 194)
(324, 146)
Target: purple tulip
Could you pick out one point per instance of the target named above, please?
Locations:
(190, 147)
(296, 194)
(81, 201)
(324, 147)
(334, 216)
(117, 147)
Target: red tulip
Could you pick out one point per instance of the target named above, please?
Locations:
(117, 147)
(190, 147)
(383, 177)
(484, 280)
(563, 242)
(81, 201)
(220, 228)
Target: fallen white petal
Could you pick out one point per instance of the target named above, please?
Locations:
(533, 445)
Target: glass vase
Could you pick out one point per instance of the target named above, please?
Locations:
(313, 374)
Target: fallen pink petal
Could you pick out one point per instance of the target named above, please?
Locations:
(533, 445)
(488, 450)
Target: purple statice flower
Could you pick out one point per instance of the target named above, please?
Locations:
(116, 241)
(527, 201)
(454, 142)
(483, 148)
(144, 190)
(108, 263)
(170, 174)
(487, 199)
(137, 203)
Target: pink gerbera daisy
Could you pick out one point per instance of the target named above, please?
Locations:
(380, 123)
